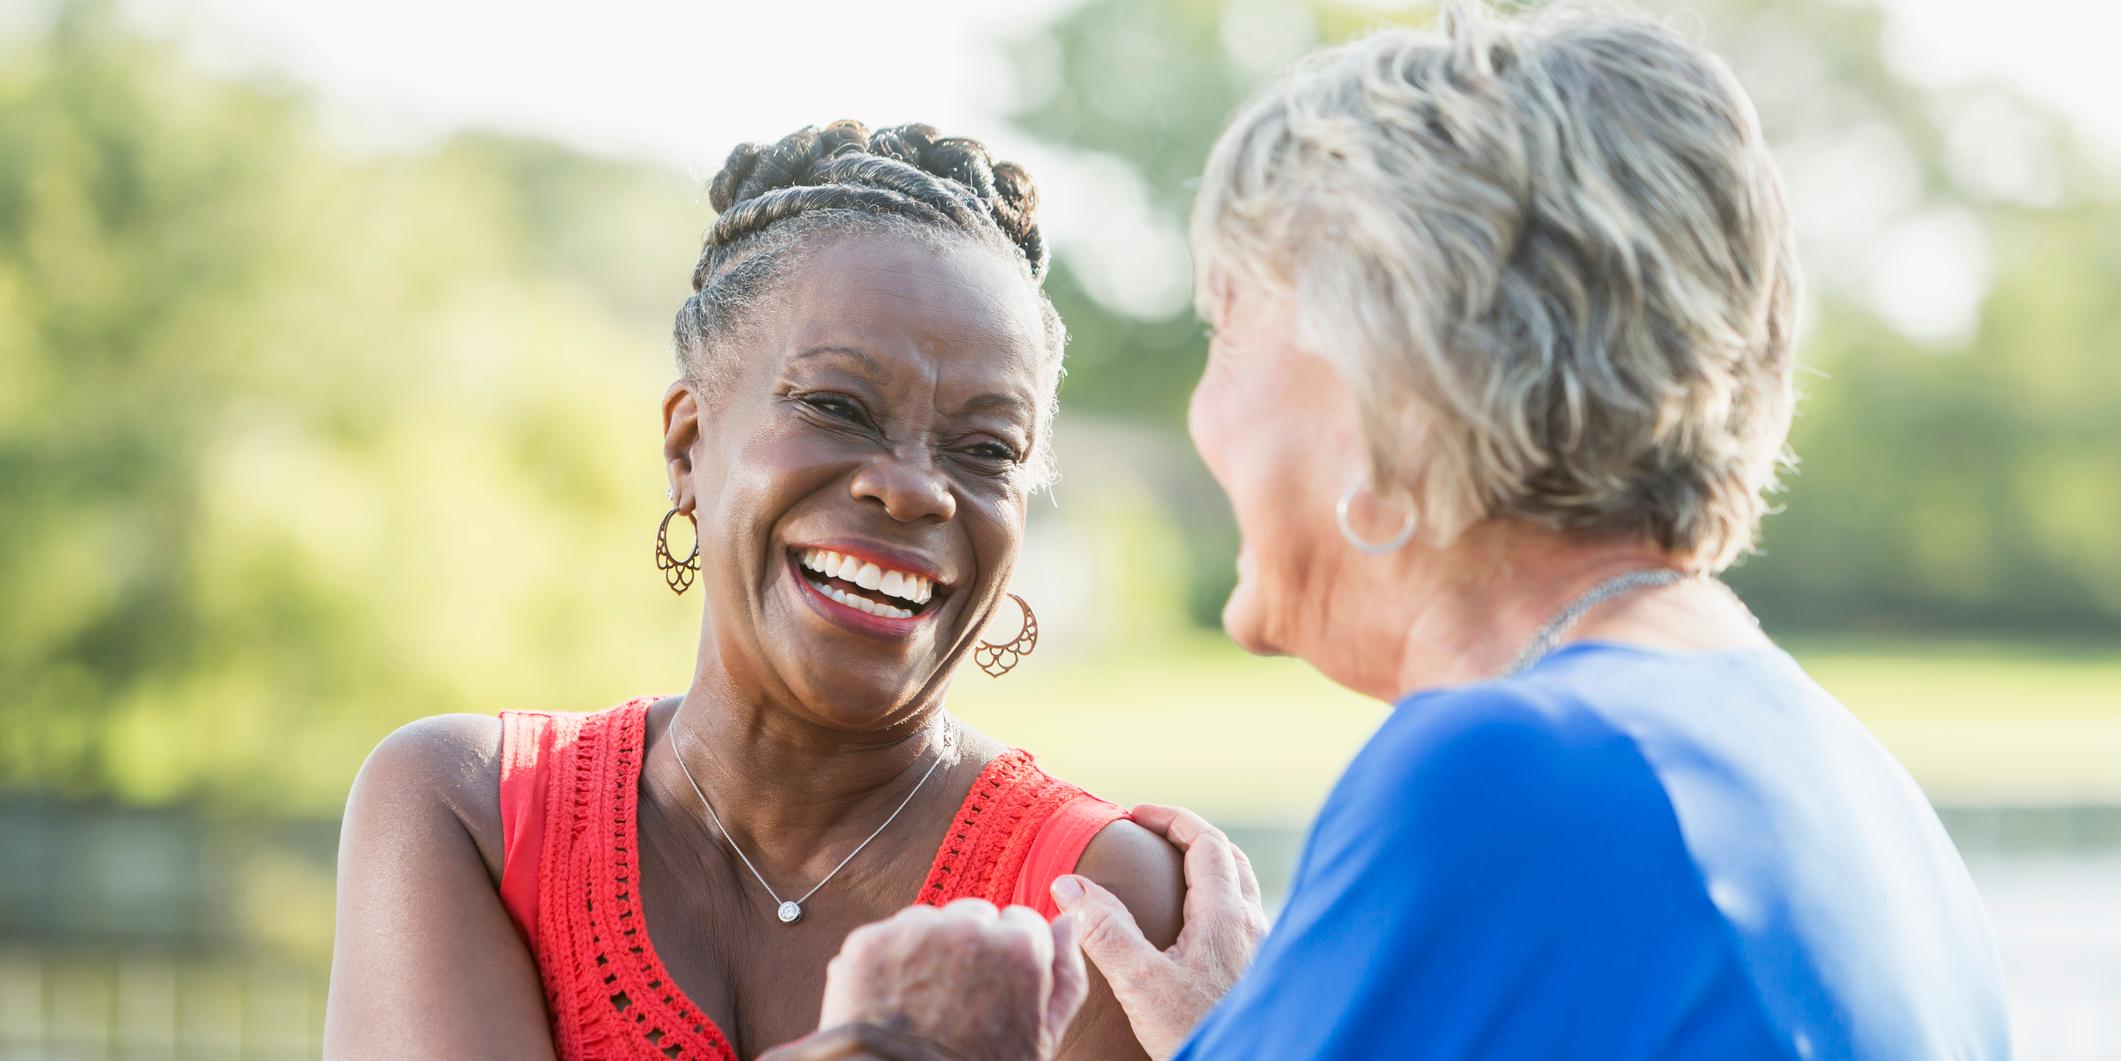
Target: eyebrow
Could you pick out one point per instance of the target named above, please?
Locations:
(872, 364)
(1008, 403)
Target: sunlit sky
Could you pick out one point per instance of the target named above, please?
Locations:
(680, 81)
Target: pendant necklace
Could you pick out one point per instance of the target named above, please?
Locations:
(791, 910)
(1549, 635)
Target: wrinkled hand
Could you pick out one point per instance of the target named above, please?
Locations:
(1166, 992)
(963, 981)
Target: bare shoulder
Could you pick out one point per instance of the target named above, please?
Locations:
(1145, 872)
(425, 959)
(452, 760)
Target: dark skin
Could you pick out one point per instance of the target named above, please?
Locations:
(888, 397)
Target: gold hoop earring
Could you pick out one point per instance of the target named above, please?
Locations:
(676, 573)
(998, 659)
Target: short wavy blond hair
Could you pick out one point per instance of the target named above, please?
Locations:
(1550, 255)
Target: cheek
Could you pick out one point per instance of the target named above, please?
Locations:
(993, 527)
(736, 475)
(1246, 435)
(1221, 404)
(748, 483)
(1255, 443)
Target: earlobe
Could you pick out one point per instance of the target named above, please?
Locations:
(681, 432)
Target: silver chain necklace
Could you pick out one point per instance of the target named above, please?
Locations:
(791, 910)
(1549, 635)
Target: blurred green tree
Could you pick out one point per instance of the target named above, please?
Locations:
(252, 388)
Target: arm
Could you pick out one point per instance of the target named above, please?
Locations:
(426, 963)
(1165, 992)
(1146, 874)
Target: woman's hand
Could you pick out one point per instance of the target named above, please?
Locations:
(963, 981)
(1166, 992)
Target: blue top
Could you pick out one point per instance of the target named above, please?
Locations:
(1623, 853)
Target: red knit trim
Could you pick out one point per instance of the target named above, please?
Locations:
(609, 993)
(984, 852)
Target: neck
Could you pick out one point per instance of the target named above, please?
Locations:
(795, 795)
(1463, 613)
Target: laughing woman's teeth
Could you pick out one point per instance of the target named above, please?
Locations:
(912, 589)
(864, 604)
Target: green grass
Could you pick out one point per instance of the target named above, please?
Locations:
(1202, 723)
(1969, 679)
(1261, 740)
(1987, 722)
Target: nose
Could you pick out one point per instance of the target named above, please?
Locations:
(909, 487)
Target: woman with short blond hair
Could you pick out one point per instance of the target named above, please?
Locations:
(1500, 379)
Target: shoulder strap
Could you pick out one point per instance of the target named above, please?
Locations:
(1058, 846)
(526, 749)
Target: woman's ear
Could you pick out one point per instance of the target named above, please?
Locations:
(681, 432)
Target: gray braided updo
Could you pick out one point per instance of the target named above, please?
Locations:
(776, 201)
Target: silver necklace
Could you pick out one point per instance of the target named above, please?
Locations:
(1549, 635)
(791, 910)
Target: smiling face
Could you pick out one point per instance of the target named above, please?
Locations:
(860, 477)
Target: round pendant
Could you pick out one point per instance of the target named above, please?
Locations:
(790, 913)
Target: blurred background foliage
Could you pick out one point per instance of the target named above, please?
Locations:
(294, 442)
(293, 431)
(300, 440)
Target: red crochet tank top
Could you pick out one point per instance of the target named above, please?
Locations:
(569, 790)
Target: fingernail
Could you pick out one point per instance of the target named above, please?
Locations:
(1066, 889)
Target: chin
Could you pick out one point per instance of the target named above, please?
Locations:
(1245, 624)
(852, 711)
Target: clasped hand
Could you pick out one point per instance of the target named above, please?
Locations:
(970, 981)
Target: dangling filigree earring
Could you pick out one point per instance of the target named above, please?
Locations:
(998, 659)
(677, 573)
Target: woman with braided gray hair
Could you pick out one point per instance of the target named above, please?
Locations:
(867, 375)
